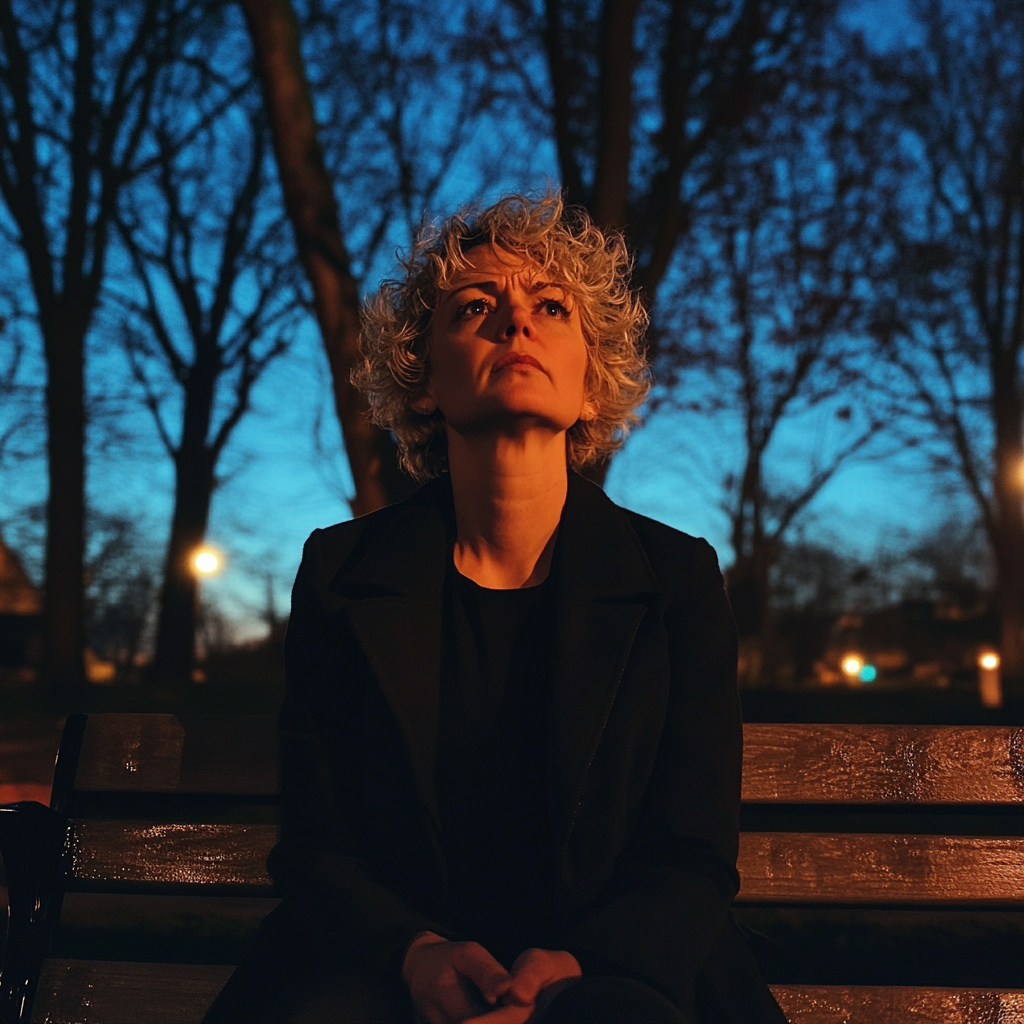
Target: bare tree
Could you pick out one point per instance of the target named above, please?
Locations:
(949, 132)
(313, 210)
(15, 397)
(647, 101)
(400, 95)
(76, 88)
(414, 111)
(206, 231)
(121, 587)
(766, 324)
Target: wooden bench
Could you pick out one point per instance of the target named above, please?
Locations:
(157, 807)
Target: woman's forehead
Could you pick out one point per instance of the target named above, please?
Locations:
(493, 260)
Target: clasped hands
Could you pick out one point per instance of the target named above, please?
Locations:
(448, 981)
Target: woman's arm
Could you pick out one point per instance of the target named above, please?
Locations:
(317, 862)
(675, 879)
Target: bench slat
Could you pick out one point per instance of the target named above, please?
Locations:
(863, 764)
(863, 1004)
(798, 867)
(109, 992)
(144, 852)
(776, 867)
(883, 764)
(112, 992)
(179, 754)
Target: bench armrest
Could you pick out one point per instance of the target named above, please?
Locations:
(32, 843)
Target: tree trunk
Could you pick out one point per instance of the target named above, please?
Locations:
(609, 198)
(175, 654)
(312, 209)
(63, 668)
(194, 464)
(615, 126)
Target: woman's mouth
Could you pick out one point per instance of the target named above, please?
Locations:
(516, 359)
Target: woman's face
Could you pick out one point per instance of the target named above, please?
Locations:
(507, 351)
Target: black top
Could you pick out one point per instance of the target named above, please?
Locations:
(496, 657)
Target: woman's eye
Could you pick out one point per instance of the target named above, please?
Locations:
(475, 307)
(555, 308)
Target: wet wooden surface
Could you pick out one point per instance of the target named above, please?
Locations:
(174, 854)
(795, 867)
(859, 764)
(776, 867)
(112, 992)
(179, 754)
(862, 1004)
(883, 764)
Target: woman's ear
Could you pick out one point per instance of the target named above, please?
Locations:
(424, 405)
(589, 410)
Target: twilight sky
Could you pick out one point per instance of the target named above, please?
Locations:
(285, 474)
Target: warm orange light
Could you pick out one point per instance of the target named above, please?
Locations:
(206, 561)
(989, 660)
(852, 664)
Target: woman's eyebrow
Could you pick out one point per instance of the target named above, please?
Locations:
(491, 287)
(484, 285)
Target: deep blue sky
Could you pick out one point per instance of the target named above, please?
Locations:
(279, 487)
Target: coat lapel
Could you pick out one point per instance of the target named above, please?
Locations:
(394, 610)
(604, 587)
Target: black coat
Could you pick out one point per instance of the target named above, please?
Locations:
(644, 742)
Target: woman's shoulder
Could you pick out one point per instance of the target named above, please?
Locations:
(673, 554)
(329, 549)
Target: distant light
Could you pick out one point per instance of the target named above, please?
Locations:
(989, 660)
(206, 561)
(868, 674)
(852, 665)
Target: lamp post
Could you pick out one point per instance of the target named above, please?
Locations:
(990, 684)
(205, 561)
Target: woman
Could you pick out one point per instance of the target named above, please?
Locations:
(511, 738)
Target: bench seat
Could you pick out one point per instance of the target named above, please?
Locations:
(919, 819)
(112, 992)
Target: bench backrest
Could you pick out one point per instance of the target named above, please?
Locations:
(916, 815)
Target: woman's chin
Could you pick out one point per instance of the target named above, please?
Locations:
(512, 422)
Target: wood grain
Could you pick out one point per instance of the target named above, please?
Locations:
(883, 764)
(111, 992)
(175, 854)
(230, 754)
(855, 764)
(795, 867)
(862, 1004)
(131, 753)
(108, 992)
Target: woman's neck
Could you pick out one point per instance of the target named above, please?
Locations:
(509, 493)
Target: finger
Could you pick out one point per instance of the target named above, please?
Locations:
(472, 960)
(458, 998)
(511, 1014)
(530, 973)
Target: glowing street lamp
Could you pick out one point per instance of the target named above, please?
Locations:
(206, 561)
(852, 665)
(990, 684)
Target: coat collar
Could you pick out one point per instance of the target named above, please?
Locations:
(597, 552)
(603, 582)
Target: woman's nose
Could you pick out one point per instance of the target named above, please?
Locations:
(518, 322)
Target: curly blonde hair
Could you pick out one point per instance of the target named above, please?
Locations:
(567, 246)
